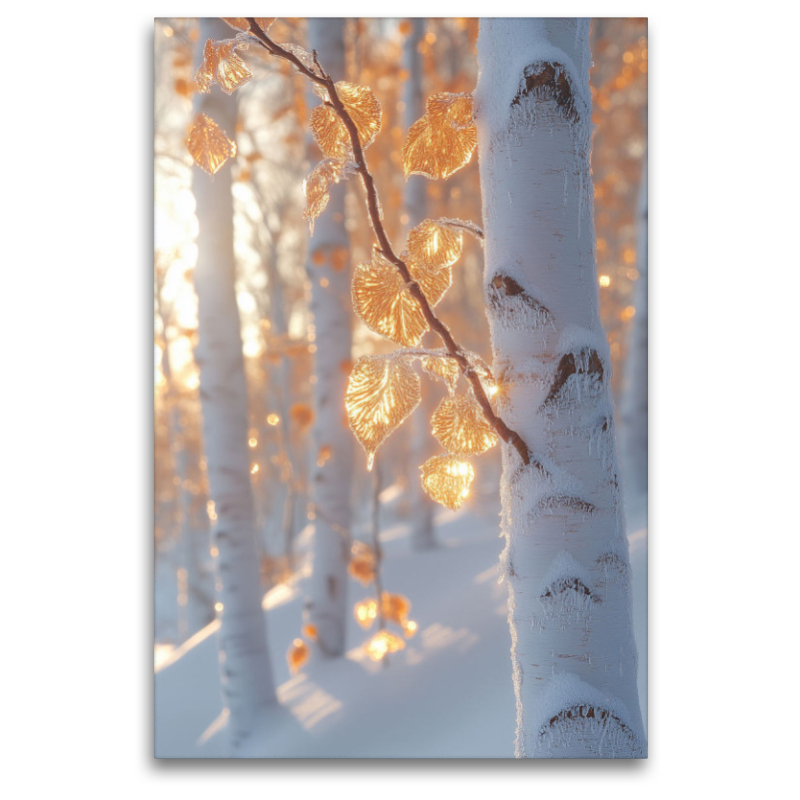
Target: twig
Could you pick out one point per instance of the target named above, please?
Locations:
(453, 348)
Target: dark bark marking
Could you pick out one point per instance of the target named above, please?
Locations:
(564, 585)
(567, 501)
(503, 286)
(548, 81)
(569, 366)
(602, 717)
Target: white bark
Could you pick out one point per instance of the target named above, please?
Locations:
(246, 672)
(634, 398)
(566, 556)
(332, 443)
(416, 204)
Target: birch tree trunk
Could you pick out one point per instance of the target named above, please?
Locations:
(566, 556)
(246, 672)
(332, 448)
(416, 203)
(634, 398)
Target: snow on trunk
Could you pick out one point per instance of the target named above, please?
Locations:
(246, 672)
(634, 398)
(332, 443)
(416, 204)
(566, 556)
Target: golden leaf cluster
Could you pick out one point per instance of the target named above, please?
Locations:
(443, 140)
(381, 393)
(382, 643)
(331, 133)
(297, 655)
(208, 145)
(461, 428)
(222, 65)
(447, 480)
(382, 300)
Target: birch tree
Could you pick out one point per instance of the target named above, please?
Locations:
(332, 444)
(566, 555)
(246, 672)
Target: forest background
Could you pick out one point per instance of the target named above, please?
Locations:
(716, 188)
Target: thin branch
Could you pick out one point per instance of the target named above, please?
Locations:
(508, 435)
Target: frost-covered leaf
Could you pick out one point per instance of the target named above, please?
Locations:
(297, 655)
(443, 367)
(381, 393)
(382, 643)
(447, 480)
(434, 244)
(222, 65)
(317, 187)
(460, 427)
(330, 132)
(208, 145)
(462, 225)
(301, 54)
(442, 141)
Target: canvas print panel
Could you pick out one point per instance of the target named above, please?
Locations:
(400, 320)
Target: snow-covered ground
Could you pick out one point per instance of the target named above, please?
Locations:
(447, 695)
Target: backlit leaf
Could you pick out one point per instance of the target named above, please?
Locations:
(381, 393)
(434, 244)
(409, 628)
(310, 632)
(443, 367)
(362, 564)
(208, 145)
(317, 187)
(459, 425)
(365, 612)
(446, 479)
(395, 608)
(330, 132)
(441, 142)
(222, 65)
(384, 302)
(382, 643)
(297, 655)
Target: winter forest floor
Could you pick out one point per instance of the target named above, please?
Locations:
(447, 695)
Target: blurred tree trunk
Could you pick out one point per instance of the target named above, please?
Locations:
(416, 203)
(246, 670)
(566, 557)
(634, 398)
(332, 447)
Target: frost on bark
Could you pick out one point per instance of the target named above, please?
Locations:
(634, 398)
(416, 204)
(566, 555)
(246, 673)
(332, 443)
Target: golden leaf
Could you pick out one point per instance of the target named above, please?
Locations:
(409, 628)
(441, 142)
(297, 655)
(208, 145)
(317, 186)
(310, 632)
(382, 643)
(443, 367)
(447, 479)
(362, 564)
(365, 612)
(434, 245)
(459, 425)
(395, 607)
(330, 132)
(381, 393)
(383, 301)
(222, 65)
